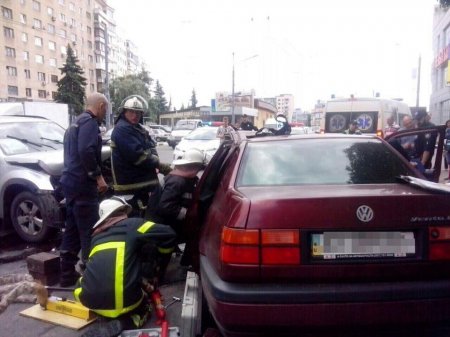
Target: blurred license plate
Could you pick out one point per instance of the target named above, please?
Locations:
(361, 245)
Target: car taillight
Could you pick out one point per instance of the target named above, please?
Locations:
(439, 243)
(269, 247)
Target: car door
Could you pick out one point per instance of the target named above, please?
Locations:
(397, 139)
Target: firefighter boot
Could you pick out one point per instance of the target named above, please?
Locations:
(69, 276)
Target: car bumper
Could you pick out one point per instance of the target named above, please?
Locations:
(257, 308)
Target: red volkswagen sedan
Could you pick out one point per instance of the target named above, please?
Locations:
(308, 233)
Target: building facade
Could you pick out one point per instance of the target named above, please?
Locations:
(440, 78)
(34, 38)
(285, 105)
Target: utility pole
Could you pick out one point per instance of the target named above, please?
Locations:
(109, 108)
(233, 119)
(418, 82)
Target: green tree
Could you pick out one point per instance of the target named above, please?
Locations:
(160, 102)
(193, 99)
(444, 3)
(71, 86)
(135, 84)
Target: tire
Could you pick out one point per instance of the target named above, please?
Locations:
(27, 217)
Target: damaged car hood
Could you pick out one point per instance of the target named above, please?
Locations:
(52, 162)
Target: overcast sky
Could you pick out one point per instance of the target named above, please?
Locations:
(311, 49)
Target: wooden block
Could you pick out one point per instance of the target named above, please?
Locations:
(43, 263)
(55, 317)
(45, 279)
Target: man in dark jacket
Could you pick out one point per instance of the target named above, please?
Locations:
(112, 285)
(425, 143)
(81, 182)
(247, 125)
(133, 155)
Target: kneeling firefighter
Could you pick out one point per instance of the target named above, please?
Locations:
(134, 159)
(114, 282)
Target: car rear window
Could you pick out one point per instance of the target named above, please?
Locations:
(319, 161)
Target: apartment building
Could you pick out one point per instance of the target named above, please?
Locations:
(440, 76)
(34, 38)
(285, 105)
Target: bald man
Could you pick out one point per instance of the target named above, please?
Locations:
(81, 182)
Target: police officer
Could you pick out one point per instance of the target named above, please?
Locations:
(112, 285)
(425, 143)
(134, 157)
(81, 181)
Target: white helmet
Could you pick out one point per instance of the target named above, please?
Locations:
(109, 206)
(191, 156)
(133, 104)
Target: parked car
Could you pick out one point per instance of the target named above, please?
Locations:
(161, 135)
(31, 163)
(204, 139)
(181, 129)
(164, 128)
(318, 233)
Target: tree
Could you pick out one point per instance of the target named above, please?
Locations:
(193, 99)
(124, 86)
(444, 3)
(160, 102)
(71, 87)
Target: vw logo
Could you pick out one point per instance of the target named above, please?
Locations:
(364, 213)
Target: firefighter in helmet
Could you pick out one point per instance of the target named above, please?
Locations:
(134, 159)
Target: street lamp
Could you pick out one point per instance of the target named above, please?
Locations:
(233, 118)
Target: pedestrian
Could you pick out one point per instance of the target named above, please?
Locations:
(447, 147)
(247, 125)
(176, 194)
(425, 143)
(81, 183)
(134, 158)
(353, 128)
(391, 127)
(114, 285)
(225, 130)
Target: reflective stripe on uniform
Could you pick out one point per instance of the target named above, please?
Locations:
(165, 250)
(142, 158)
(145, 226)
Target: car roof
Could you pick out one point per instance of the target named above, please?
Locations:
(308, 136)
(15, 119)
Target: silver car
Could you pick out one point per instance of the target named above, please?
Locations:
(31, 162)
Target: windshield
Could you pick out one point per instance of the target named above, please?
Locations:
(205, 133)
(186, 125)
(320, 161)
(26, 137)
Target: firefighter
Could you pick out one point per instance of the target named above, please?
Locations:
(113, 283)
(134, 157)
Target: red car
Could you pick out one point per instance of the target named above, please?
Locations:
(312, 233)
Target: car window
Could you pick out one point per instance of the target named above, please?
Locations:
(185, 125)
(320, 161)
(24, 137)
(202, 134)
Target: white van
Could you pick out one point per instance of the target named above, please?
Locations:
(370, 113)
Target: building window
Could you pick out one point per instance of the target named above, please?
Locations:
(10, 52)
(89, 30)
(52, 62)
(72, 6)
(23, 18)
(22, 2)
(92, 87)
(13, 90)
(7, 13)
(50, 11)
(41, 76)
(28, 92)
(62, 17)
(12, 71)
(51, 45)
(88, 15)
(73, 23)
(36, 5)
(24, 37)
(91, 73)
(37, 24)
(54, 93)
(63, 50)
(89, 44)
(54, 78)
(26, 56)
(90, 59)
(62, 33)
(39, 59)
(50, 28)
(27, 73)
(73, 37)
(38, 41)
(61, 2)
(8, 32)
(42, 94)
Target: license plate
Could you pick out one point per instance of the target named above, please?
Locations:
(362, 245)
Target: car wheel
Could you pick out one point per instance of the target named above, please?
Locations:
(158, 139)
(27, 217)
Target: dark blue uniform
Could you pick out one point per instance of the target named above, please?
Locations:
(82, 166)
